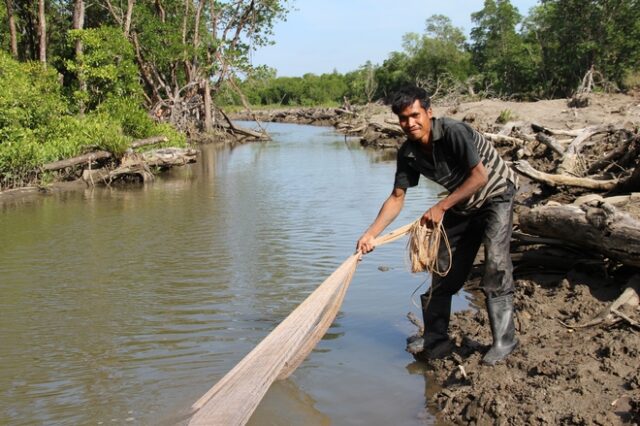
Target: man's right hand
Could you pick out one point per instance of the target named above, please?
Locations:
(365, 243)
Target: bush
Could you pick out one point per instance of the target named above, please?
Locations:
(36, 126)
(631, 80)
(137, 123)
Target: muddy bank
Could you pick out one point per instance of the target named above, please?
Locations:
(558, 375)
(377, 127)
(302, 115)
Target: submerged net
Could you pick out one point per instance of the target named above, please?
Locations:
(233, 399)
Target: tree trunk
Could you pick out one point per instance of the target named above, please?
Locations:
(127, 20)
(12, 28)
(596, 225)
(78, 24)
(526, 169)
(42, 32)
(208, 122)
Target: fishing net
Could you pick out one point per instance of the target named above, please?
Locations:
(233, 399)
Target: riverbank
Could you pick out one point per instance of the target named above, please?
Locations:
(568, 368)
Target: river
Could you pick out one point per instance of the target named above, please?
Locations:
(124, 305)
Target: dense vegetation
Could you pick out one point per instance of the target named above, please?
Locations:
(543, 55)
(76, 76)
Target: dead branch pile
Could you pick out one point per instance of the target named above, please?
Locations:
(103, 167)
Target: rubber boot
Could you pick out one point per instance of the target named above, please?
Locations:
(504, 332)
(435, 314)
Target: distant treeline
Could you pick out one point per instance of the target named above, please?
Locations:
(543, 55)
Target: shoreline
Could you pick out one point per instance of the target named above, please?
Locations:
(559, 374)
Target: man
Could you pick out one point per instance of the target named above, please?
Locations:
(477, 210)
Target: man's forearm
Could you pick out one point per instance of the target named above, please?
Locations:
(476, 181)
(388, 212)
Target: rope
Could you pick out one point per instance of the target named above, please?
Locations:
(233, 399)
(423, 247)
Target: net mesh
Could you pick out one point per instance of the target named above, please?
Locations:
(232, 400)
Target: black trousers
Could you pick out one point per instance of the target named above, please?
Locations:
(490, 225)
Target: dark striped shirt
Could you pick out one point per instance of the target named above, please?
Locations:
(457, 148)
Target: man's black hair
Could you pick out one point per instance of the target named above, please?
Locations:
(407, 95)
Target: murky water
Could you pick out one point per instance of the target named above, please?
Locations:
(123, 306)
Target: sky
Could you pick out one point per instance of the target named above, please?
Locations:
(320, 36)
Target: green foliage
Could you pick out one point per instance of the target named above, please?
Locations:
(502, 56)
(29, 94)
(264, 88)
(505, 116)
(436, 60)
(106, 65)
(36, 126)
(576, 35)
(137, 123)
(631, 80)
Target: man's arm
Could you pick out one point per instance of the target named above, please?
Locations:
(478, 178)
(388, 212)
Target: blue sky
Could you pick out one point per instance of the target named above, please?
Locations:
(322, 35)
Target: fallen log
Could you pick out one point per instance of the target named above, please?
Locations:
(138, 166)
(522, 166)
(389, 129)
(75, 161)
(233, 129)
(169, 157)
(550, 142)
(106, 176)
(596, 225)
(497, 137)
(555, 132)
(570, 159)
(99, 155)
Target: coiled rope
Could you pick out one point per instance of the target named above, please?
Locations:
(423, 247)
(233, 399)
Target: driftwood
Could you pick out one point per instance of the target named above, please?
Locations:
(497, 137)
(550, 142)
(387, 128)
(526, 169)
(595, 225)
(570, 158)
(138, 166)
(75, 161)
(610, 158)
(232, 128)
(99, 155)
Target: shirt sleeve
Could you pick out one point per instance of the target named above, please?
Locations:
(463, 148)
(406, 176)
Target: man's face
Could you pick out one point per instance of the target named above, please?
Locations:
(416, 122)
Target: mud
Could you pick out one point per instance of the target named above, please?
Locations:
(557, 375)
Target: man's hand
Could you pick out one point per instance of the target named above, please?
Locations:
(433, 216)
(365, 243)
